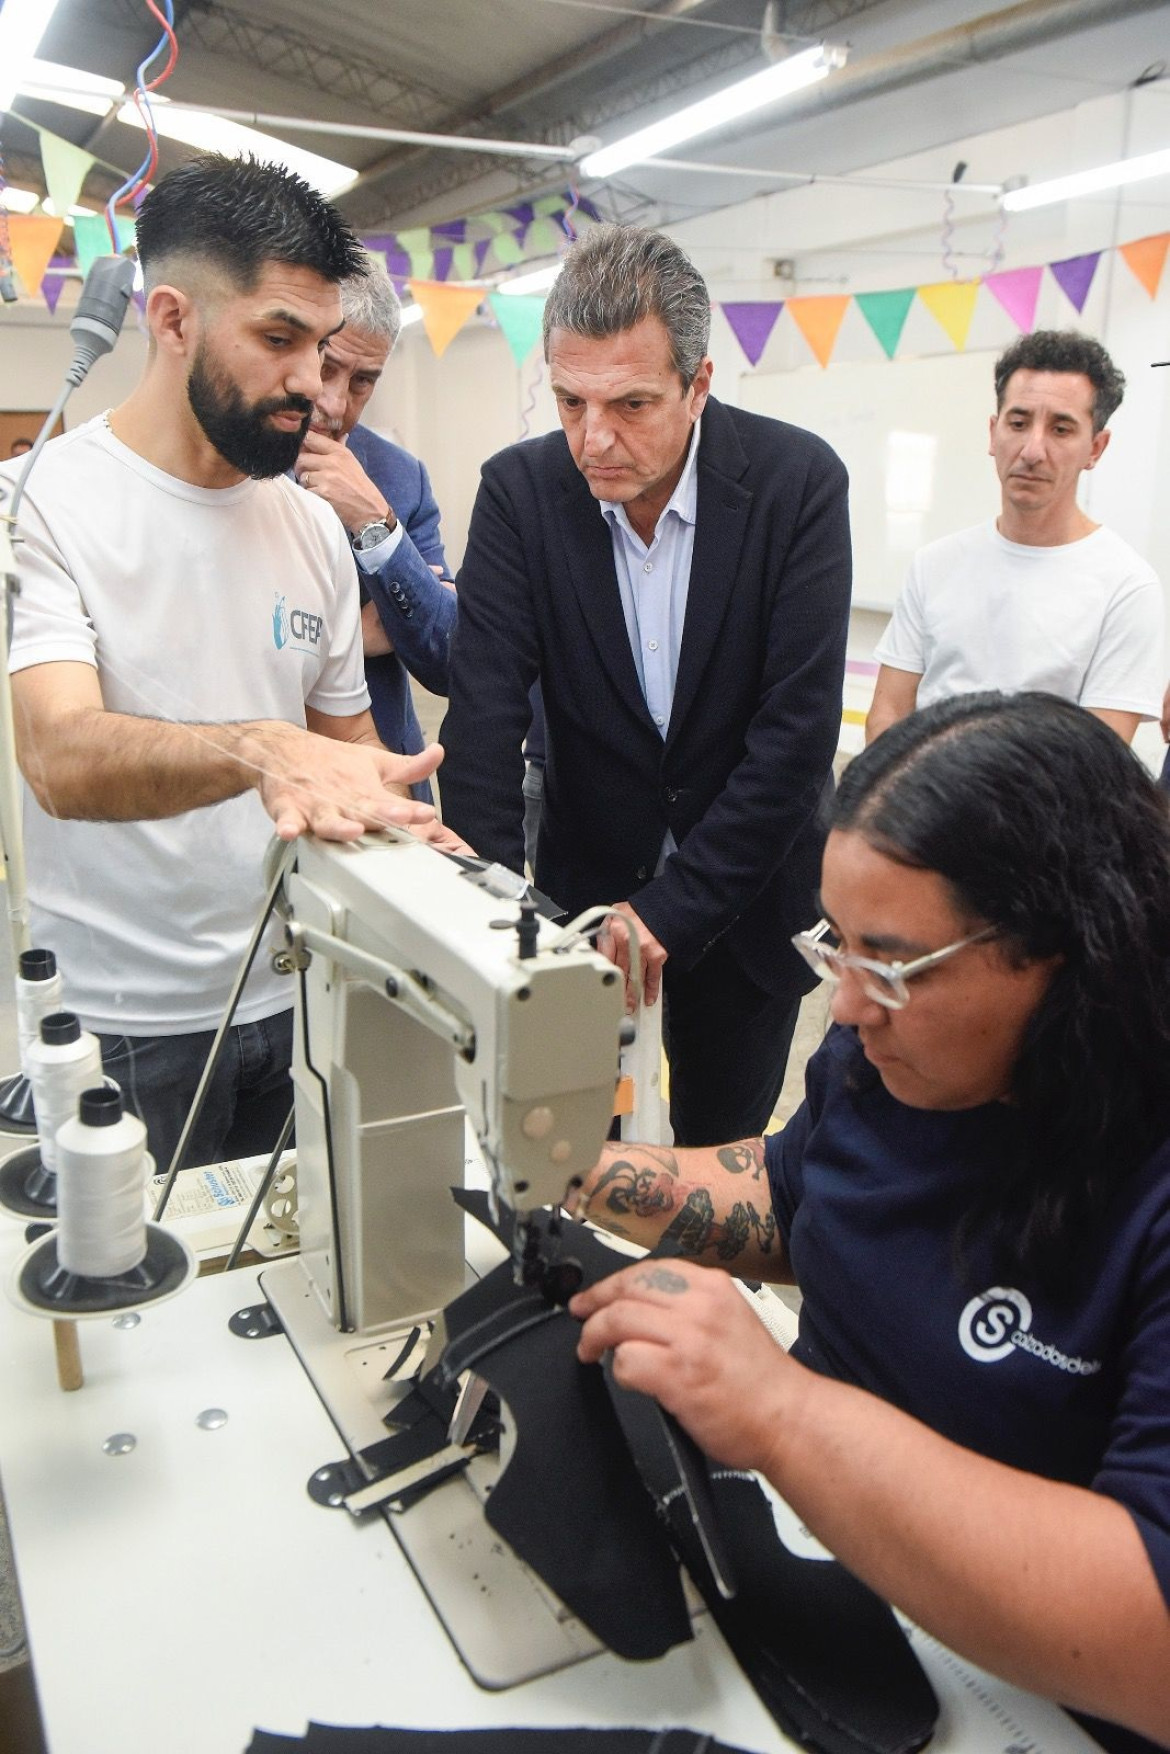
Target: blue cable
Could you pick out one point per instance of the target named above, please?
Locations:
(140, 79)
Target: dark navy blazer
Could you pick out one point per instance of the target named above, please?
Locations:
(744, 773)
(417, 612)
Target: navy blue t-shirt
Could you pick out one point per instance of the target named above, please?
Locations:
(869, 1194)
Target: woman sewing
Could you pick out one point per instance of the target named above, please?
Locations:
(975, 1201)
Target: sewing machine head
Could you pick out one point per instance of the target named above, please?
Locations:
(424, 994)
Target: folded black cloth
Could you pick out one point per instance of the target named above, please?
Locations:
(825, 1654)
(322, 1739)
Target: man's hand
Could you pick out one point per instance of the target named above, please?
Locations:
(320, 785)
(614, 941)
(376, 642)
(438, 835)
(328, 468)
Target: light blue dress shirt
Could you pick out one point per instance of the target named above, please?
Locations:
(653, 581)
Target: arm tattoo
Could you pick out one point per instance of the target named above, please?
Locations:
(691, 1231)
(745, 1158)
(744, 1226)
(662, 1279)
(642, 1189)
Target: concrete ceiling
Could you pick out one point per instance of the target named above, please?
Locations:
(919, 75)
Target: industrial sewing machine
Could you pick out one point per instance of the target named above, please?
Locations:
(427, 993)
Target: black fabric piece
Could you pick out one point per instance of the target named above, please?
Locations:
(323, 1739)
(674, 1473)
(573, 1520)
(408, 1346)
(825, 1654)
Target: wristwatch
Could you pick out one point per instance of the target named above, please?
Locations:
(374, 532)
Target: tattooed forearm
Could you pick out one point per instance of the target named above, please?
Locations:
(744, 1227)
(745, 1158)
(691, 1232)
(641, 1182)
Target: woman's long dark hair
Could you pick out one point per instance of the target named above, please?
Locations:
(1046, 825)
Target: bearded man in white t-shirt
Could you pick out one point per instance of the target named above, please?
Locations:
(186, 661)
(1042, 597)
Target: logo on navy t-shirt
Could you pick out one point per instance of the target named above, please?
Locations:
(999, 1322)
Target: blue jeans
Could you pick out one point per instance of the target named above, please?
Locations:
(246, 1104)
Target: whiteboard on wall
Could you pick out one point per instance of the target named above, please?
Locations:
(912, 434)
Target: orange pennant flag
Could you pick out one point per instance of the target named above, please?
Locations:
(445, 309)
(1146, 257)
(32, 238)
(952, 305)
(819, 320)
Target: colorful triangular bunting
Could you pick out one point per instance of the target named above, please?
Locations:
(1146, 258)
(819, 319)
(752, 323)
(66, 167)
(521, 318)
(53, 285)
(445, 309)
(886, 314)
(952, 305)
(1074, 276)
(32, 238)
(1017, 290)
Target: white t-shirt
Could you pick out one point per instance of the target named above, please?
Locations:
(1083, 620)
(197, 604)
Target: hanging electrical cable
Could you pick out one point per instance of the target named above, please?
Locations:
(142, 88)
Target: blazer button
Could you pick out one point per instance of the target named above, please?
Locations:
(642, 873)
(669, 795)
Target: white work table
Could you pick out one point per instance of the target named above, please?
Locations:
(182, 1594)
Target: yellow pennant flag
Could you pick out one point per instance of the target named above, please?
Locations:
(819, 320)
(952, 305)
(1146, 257)
(33, 238)
(445, 309)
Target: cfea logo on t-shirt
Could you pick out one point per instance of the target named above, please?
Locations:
(999, 1322)
(297, 628)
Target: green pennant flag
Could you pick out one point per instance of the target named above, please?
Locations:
(66, 167)
(463, 262)
(521, 319)
(506, 249)
(91, 238)
(886, 314)
(544, 237)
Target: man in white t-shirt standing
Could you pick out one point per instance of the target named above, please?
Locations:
(186, 657)
(1042, 597)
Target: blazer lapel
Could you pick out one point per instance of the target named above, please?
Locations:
(588, 549)
(721, 522)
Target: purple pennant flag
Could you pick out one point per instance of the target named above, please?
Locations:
(481, 246)
(454, 230)
(397, 262)
(1074, 276)
(523, 214)
(443, 258)
(52, 284)
(752, 324)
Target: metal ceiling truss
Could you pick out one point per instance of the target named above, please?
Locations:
(304, 60)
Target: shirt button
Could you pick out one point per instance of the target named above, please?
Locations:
(658, 719)
(652, 645)
(649, 566)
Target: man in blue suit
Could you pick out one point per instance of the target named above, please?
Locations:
(383, 497)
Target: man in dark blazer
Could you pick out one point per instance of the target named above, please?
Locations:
(383, 497)
(689, 634)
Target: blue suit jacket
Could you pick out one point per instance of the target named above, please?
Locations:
(417, 612)
(742, 776)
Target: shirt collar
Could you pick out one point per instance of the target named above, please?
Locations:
(684, 501)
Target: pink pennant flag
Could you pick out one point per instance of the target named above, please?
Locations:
(1017, 290)
(752, 324)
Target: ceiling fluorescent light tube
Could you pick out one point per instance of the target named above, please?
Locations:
(1106, 176)
(538, 281)
(729, 105)
(22, 25)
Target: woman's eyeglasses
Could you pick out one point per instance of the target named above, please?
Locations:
(884, 982)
